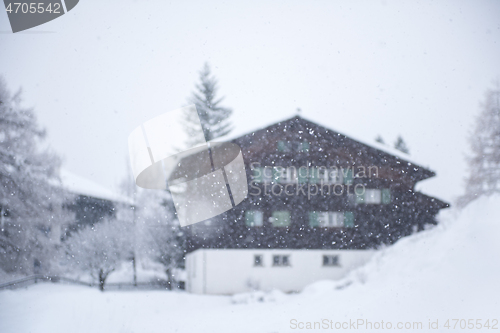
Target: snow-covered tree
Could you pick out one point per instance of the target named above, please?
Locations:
(30, 204)
(166, 248)
(484, 162)
(98, 250)
(128, 213)
(213, 117)
(157, 235)
(400, 145)
(162, 239)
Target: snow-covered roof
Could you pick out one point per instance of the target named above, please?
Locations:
(82, 186)
(384, 148)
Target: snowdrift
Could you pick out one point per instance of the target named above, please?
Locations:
(448, 272)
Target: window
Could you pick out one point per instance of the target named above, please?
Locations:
(267, 174)
(336, 219)
(322, 175)
(330, 260)
(280, 218)
(374, 196)
(281, 260)
(315, 218)
(314, 175)
(359, 198)
(386, 196)
(284, 146)
(318, 175)
(253, 218)
(348, 219)
(348, 177)
(303, 174)
(258, 175)
(326, 219)
(279, 174)
(335, 176)
(291, 175)
(257, 260)
(304, 146)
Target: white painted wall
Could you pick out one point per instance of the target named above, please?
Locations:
(229, 271)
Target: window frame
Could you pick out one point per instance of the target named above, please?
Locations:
(314, 175)
(291, 175)
(335, 176)
(281, 262)
(284, 146)
(383, 197)
(303, 147)
(326, 219)
(267, 174)
(323, 174)
(279, 174)
(338, 216)
(349, 220)
(372, 196)
(386, 196)
(348, 177)
(253, 213)
(277, 214)
(258, 176)
(331, 260)
(259, 262)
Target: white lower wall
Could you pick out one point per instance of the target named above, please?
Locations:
(229, 271)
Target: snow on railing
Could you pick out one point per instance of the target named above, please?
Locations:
(29, 280)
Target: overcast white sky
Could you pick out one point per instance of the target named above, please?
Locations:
(416, 68)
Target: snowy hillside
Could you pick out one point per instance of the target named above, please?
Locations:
(449, 272)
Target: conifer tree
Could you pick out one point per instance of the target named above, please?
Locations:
(214, 118)
(30, 204)
(400, 145)
(484, 162)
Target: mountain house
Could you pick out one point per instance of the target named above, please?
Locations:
(319, 204)
(90, 202)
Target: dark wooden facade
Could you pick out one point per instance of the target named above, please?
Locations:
(88, 211)
(300, 143)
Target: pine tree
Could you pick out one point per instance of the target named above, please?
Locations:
(213, 117)
(379, 139)
(400, 145)
(30, 205)
(484, 163)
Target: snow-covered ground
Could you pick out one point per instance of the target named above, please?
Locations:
(449, 272)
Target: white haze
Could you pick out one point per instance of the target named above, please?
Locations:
(418, 69)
